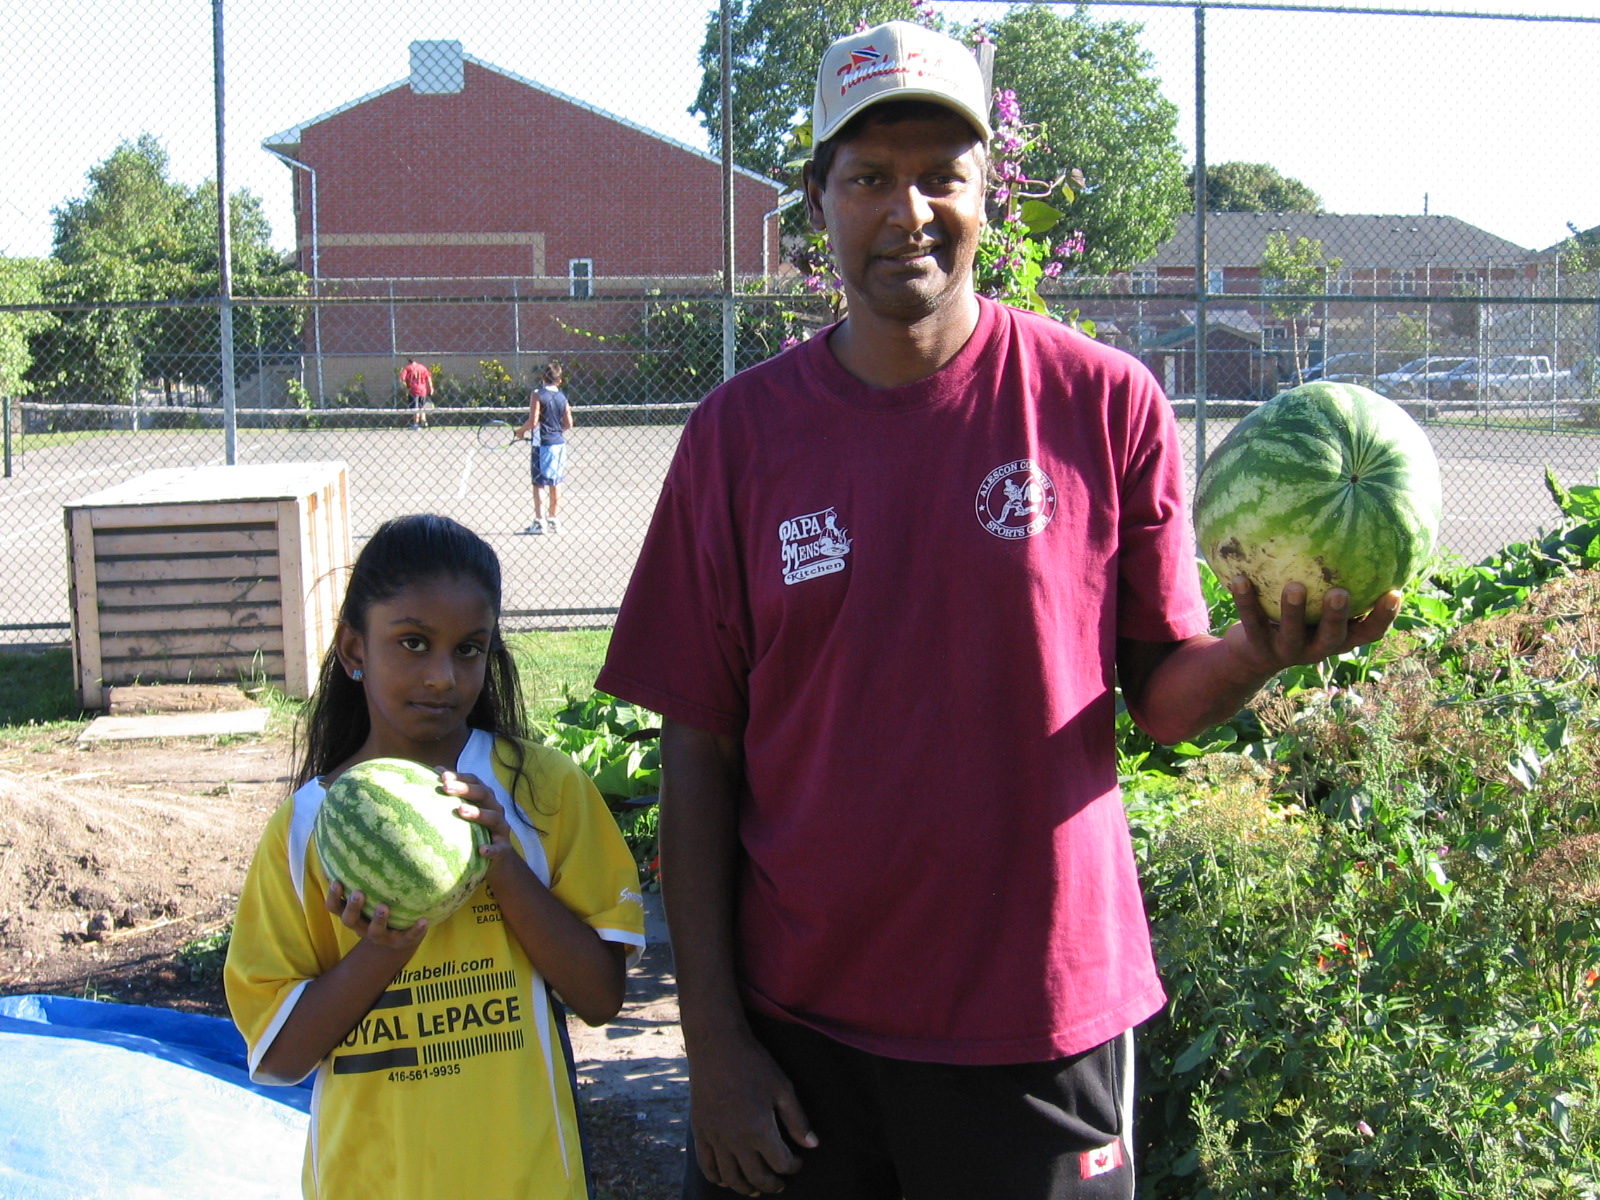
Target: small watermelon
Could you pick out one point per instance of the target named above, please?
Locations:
(386, 829)
(1329, 484)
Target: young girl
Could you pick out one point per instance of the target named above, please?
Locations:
(437, 1051)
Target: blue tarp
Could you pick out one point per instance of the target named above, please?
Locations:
(118, 1102)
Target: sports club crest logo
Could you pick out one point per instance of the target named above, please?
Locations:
(813, 545)
(1016, 500)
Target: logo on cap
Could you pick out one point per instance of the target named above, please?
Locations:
(863, 57)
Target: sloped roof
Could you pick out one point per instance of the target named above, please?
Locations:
(1237, 321)
(1239, 239)
(288, 141)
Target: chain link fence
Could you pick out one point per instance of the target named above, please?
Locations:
(486, 194)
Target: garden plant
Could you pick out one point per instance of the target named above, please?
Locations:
(1375, 898)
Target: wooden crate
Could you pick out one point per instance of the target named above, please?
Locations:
(204, 574)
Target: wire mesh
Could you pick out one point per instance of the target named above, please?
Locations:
(487, 195)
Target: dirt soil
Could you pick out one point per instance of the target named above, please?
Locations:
(116, 855)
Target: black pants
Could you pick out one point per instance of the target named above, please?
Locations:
(896, 1130)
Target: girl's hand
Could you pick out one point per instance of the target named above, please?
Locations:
(481, 808)
(347, 907)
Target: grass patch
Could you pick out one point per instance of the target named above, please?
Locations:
(36, 688)
(555, 663)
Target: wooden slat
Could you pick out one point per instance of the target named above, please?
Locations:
(333, 561)
(193, 670)
(221, 540)
(183, 591)
(221, 643)
(190, 617)
(145, 516)
(148, 570)
(292, 561)
(85, 609)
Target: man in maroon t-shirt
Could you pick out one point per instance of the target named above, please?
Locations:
(890, 582)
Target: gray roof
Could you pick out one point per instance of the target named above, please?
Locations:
(1238, 240)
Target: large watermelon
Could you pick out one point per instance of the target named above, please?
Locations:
(386, 829)
(1330, 484)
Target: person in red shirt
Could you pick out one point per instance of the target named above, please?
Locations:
(893, 579)
(418, 381)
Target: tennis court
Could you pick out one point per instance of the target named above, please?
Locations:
(1493, 478)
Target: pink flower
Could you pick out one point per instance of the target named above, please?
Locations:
(1052, 269)
(1073, 246)
(789, 342)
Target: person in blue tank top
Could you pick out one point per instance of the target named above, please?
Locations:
(549, 417)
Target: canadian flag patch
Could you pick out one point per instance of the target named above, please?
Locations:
(1099, 1162)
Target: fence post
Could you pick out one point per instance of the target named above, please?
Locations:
(230, 429)
(6, 404)
(726, 67)
(1202, 282)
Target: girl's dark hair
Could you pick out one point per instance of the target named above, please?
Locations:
(406, 551)
(552, 372)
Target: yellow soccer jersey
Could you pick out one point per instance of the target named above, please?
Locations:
(455, 1083)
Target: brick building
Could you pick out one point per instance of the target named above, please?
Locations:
(1398, 278)
(467, 181)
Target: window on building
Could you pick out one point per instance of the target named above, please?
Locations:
(1342, 282)
(1402, 283)
(1216, 280)
(1144, 283)
(580, 278)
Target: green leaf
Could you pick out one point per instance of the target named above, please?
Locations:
(1557, 493)
(1197, 1052)
(1404, 939)
(1525, 766)
(1037, 216)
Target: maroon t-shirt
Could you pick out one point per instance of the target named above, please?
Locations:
(905, 602)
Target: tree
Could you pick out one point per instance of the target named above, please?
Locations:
(21, 282)
(1086, 82)
(136, 235)
(775, 44)
(1089, 84)
(1255, 187)
(1298, 269)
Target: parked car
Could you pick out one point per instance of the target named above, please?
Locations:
(1420, 376)
(1506, 379)
(1355, 366)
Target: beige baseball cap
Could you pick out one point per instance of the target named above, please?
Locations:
(897, 61)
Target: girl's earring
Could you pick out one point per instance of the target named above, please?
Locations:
(356, 675)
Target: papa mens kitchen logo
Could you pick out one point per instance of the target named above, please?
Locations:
(813, 545)
(1016, 500)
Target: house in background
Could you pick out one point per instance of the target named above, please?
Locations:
(466, 180)
(1418, 267)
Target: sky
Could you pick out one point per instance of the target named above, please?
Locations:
(1488, 120)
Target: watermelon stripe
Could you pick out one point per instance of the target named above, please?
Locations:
(1330, 484)
(386, 830)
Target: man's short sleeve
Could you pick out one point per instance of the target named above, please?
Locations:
(1159, 596)
(680, 647)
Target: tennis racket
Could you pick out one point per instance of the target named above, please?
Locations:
(496, 434)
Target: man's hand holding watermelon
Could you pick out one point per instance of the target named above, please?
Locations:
(1177, 690)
